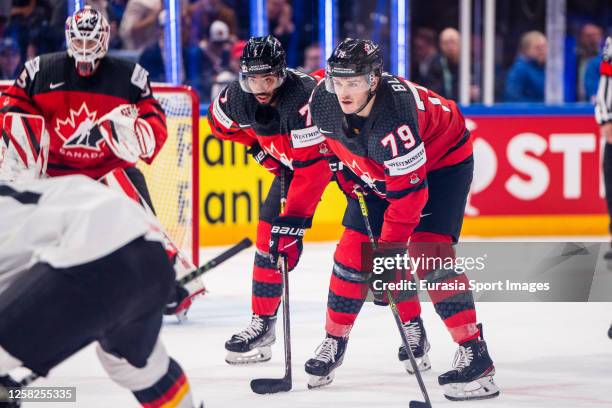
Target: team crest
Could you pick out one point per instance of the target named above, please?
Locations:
(75, 130)
(323, 148)
(414, 178)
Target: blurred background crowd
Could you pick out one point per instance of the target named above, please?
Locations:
(213, 34)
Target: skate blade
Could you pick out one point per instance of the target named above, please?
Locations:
(315, 381)
(182, 316)
(423, 364)
(257, 355)
(482, 388)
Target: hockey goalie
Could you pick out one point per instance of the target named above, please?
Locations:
(79, 262)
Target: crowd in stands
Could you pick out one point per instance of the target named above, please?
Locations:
(213, 34)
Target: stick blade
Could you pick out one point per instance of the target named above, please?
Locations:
(419, 404)
(270, 385)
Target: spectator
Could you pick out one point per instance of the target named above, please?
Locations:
(448, 60)
(589, 43)
(280, 20)
(313, 59)
(9, 58)
(196, 66)
(591, 78)
(26, 16)
(224, 78)
(425, 56)
(205, 12)
(218, 46)
(139, 26)
(5, 14)
(525, 80)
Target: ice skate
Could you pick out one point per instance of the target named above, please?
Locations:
(253, 344)
(417, 339)
(328, 357)
(472, 377)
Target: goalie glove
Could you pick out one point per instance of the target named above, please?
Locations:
(129, 137)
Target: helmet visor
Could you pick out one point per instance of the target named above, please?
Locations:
(261, 83)
(348, 84)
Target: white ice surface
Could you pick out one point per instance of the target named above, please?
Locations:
(546, 354)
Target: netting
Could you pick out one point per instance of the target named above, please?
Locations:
(172, 178)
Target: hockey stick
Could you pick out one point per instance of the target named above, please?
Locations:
(413, 404)
(222, 257)
(274, 385)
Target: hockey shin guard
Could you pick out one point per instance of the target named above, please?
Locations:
(348, 285)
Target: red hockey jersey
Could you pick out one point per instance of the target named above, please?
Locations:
(285, 132)
(50, 86)
(409, 132)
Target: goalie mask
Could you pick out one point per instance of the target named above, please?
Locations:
(24, 147)
(87, 36)
(262, 66)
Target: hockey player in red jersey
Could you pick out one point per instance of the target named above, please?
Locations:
(81, 93)
(409, 149)
(79, 263)
(267, 110)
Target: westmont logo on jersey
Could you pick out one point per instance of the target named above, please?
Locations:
(76, 130)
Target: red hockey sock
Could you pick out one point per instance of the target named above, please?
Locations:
(267, 281)
(456, 308)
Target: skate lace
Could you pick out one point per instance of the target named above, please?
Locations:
(463, 358)
(253, 330)
(327, 350)
(413, 333)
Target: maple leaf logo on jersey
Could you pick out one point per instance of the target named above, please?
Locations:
(282, 157)
(364, 176)
(76, 129)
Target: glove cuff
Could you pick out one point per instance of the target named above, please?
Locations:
(293, 221)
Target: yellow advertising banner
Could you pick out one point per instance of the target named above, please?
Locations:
(233, 186)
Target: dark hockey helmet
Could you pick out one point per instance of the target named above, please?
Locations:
(87, 36)
(354, 57)
(262, 55)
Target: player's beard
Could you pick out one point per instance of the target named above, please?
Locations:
(267, 95)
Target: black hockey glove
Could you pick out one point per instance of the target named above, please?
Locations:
(7, 383)
(268, 162)
(286, 237)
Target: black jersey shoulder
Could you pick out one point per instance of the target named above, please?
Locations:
(114, 77)
(238, 104)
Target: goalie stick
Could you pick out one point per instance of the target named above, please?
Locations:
(413, 404)
(274, 385)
